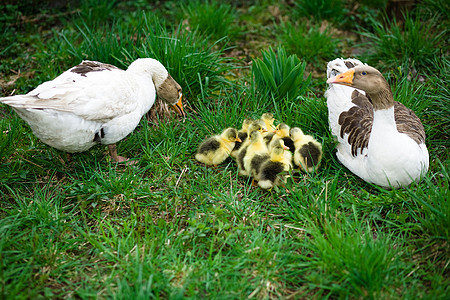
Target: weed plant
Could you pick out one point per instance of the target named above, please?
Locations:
(169, 227)
(280, 75)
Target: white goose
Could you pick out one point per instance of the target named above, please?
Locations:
(95, 103)
(380, 140)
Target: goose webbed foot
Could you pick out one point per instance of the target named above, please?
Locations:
(117, 158)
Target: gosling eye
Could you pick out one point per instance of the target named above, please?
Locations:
(364, 73)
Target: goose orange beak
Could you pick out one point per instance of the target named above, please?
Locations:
(285, 147)
(238, 140)
(178, 107)
(345, 78)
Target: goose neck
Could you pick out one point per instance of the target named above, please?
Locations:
(382, 99)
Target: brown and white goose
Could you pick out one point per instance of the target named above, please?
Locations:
(380, 140)
(95, 103)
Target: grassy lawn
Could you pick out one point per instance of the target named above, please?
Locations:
(170, 227)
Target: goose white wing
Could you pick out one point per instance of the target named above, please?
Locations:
(100, 95)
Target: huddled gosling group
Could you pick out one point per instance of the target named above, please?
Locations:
(262, 151)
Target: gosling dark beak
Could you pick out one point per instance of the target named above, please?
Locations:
(178, 107)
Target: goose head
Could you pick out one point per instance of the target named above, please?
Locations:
(167, 88)
(371, 81)
(170, 92)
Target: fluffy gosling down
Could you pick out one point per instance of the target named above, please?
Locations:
(256, 152)
(259, 126)
(268, 119)
(272, 171)
(308, 151)
(262, 151)
(242, 134)
(216, 149)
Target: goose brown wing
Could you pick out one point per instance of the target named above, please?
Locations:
(357, 122)
(408, 123)
(87, 66)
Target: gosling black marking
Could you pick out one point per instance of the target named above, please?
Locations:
(311, 154)
(268, 138)
(270, 170)
(243, 137)
(209, 145)
(241, 156)
(289, 143)
(98, 137)
(258, 160)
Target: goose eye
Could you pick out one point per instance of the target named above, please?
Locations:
(364, 73)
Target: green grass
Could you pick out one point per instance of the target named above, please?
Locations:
(310, 42)
(413, 43)
(212, 18)
(333, 10)
(171, 228)
(195, 62)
